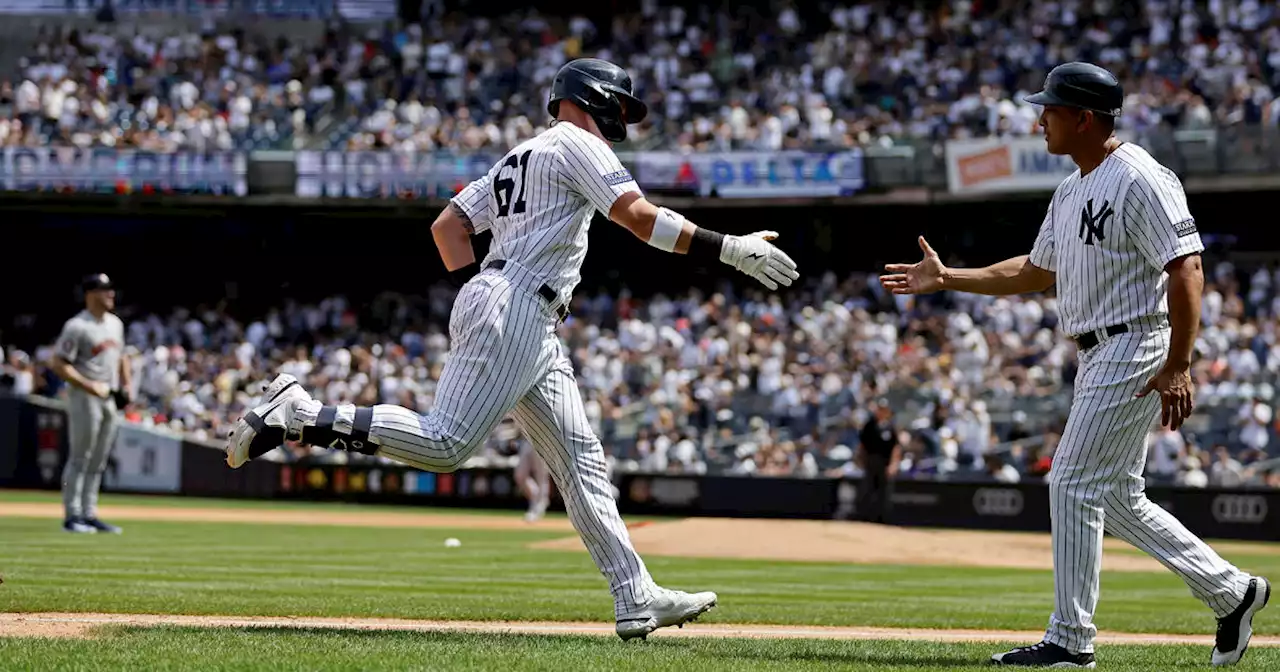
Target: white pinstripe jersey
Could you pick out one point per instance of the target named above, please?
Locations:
(539, 200)
(1108, 236)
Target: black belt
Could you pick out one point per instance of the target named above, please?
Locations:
(1089, 339)
(549, 295)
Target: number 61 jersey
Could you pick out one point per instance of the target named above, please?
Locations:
(1109, 235)
(539, 199)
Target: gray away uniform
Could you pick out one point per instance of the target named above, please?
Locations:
(93, 347)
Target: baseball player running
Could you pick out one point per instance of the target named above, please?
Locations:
(534, 480)
(505, 354)
(1123, 249)
(89, 356)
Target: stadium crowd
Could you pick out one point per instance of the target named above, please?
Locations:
(807, 74)
(737, 383)
(128, 88)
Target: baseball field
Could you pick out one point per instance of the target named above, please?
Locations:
(207, 584)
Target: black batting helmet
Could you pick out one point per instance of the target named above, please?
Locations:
(603, 90)
(1082, 85)
(96, 281)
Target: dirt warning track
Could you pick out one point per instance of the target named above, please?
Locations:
(359, 518)
(84, 625)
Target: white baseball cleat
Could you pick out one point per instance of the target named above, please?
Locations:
(537, 510)
(263, 429)
(668, 607)
(1236, 629)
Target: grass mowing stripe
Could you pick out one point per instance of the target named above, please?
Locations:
(217, 568)
(184, 648)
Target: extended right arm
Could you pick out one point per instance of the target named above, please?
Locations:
(1011, 276)
(595, 172)
(669, 231)
(1028, 273)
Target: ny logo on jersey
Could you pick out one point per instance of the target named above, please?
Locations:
(1092, 225)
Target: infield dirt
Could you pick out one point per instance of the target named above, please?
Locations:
(84, 625)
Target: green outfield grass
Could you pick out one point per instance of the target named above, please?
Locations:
(279, 570)
(36, 496)
(278, 649)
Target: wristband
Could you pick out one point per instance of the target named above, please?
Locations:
(706, 244)
(460, 276)
(667, 227)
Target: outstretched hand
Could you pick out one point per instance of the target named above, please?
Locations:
(923, 277)
(757, 256)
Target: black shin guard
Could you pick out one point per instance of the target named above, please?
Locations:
(323, 434)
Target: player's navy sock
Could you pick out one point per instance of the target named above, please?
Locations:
(348, 430)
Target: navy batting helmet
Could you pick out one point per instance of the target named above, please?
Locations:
(603, 90)
(95, 282)
(1082, 85)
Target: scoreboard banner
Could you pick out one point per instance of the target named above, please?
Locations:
(354, 10)
(1007, 165)
(383, 174)
(112, 171)
(377, 174)
(784, 174)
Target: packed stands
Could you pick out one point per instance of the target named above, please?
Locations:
(747, 384)
(827, 74)
(854, 75)
(705, 382)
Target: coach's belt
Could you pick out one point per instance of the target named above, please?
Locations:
(549, 295)
(1090, 339)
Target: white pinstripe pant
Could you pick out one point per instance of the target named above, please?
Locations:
(1096, 482)
(507, 357)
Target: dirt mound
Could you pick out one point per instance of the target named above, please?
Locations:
(834, 541)
(82, 625)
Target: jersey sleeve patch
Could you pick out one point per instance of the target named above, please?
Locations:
(618, 177)
(1186, 227)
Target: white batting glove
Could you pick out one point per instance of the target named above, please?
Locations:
(754, 255)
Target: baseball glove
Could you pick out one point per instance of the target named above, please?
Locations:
(121, 398)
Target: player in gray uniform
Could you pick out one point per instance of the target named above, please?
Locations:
(1124, 252)
(505, 355)
(89, 356)
(534, 480)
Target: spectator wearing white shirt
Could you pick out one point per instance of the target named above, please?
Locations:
(1226, 471)
(1255, 419)
(1192, 474)
(999, 470)
(1167, 449)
